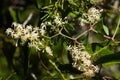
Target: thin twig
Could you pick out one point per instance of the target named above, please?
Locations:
(8, 78)
(113, 37)
(66, 36)
(28, 19)
(57, 69)
(100, 50)
(82, 34)
(42, 62)
(101, 34)
(54, 35)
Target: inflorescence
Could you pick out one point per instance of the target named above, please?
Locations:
(92, 16)
(34, 37)
(81, 60)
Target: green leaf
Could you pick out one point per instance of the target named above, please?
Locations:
(103, 51)
(111, 63)
(72, 15)
(108, 58)
(13, 14)
(106, 30)
(72, 2)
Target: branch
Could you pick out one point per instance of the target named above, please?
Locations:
(113, 37)
(57, 69)
(28, 19)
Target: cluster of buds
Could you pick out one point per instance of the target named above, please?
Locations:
(81, 60)
(92, 16)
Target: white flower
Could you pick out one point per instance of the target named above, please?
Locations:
(58, 20)
(10, 32)
(14, 24)
(42, 31)
(92, 16)
(43, 27)
(19, 27)
(36, 44)
(48, 50)
(29, 28)
(33, 36)
(68, 48)
(48, 23)
(89, 73)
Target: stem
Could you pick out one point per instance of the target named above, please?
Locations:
(100, 50)
(54, 35)
(28, 19)
(51, 36)
(66, 36)
(82, 34)
(8, 78)
(101, 34)
(41, 61)
(57, 69)
(116, 29)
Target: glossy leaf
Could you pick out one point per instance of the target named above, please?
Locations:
(106, 30)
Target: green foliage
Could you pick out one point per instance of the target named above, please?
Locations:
(63, 28)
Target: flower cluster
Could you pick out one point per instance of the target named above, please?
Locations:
(82, 60)
(56, 23)
(27, 33)
(58, 20)
(92, 16)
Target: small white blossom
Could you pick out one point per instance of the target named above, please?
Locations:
(58, 20)
(89, 73)
(35, 44)
(43, 27)
(34, 36)
(49, 23)
(48, 50)
(29, 28)
(68, 47)
(14, 24)
(10, 32)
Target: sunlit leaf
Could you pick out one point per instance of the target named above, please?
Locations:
(72, 14)
(106, 30)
